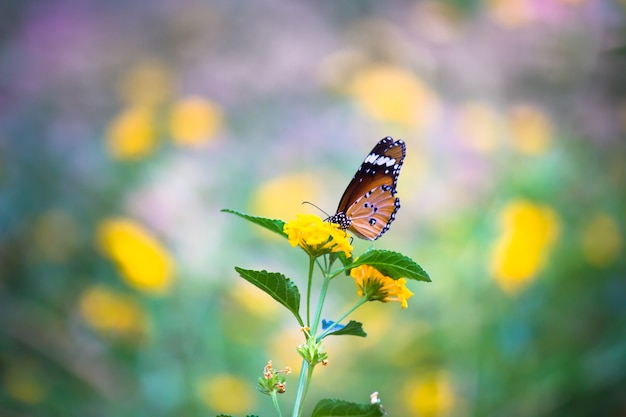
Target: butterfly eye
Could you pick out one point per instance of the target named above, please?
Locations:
(368, 205)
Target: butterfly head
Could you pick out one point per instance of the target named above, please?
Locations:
(341, 219)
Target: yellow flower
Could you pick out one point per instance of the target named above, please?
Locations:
(528, 232)
(194, 120)
(141, 260)
(226, 394)
(393, 94)
(316, 236)
(429, 395)
(378, 287)
(111, 312)
(131, 134)
(282, 197)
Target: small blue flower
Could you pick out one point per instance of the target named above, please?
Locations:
(335, 327)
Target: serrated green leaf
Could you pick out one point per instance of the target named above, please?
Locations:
(279, 287)
(392, 264)
(273, 225)
(353, 328)
(336, 408)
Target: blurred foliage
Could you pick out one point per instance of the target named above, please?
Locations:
(126, 126)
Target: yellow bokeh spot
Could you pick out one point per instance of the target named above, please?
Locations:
(55, 235)
(112, 313)
(131, 133)
(147, 83)
(531, 130)
(141, 260)
(281, 345)
(527, 234)
(195, 120)
(393, 94)
(429, 395)
(226, 394)
(510, 13)
(282, 197)
(21, 383)
(601, 240)
(251, 298)
(479, 126)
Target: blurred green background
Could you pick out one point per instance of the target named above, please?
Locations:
(125, 126)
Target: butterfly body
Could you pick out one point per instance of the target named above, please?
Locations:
(369, 205)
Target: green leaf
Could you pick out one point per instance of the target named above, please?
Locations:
(273, 225)
(279, 287)
(392, 264)
(353, 328)
(328, 408)
(346, 262)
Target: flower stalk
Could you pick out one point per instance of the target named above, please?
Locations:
(323, 241)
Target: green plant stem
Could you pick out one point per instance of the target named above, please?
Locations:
(308, 291)
(320, 304)
(362, 301)
(303, 385)
(275, 400)
(307, 383)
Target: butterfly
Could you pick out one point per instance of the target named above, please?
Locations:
(368, 205)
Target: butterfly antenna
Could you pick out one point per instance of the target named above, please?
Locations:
(311, 204)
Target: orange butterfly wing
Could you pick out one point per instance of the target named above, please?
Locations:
(368, 205)
(372, 214)
(380, 167)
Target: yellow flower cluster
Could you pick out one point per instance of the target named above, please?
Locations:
(316, 236)
(131, 134)
(113, 313)
(141, 260)
(393, 94)
(226, 393)
(134, 132)
(528, 232)
(429, 394)
(195, 120)
(378, 287)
